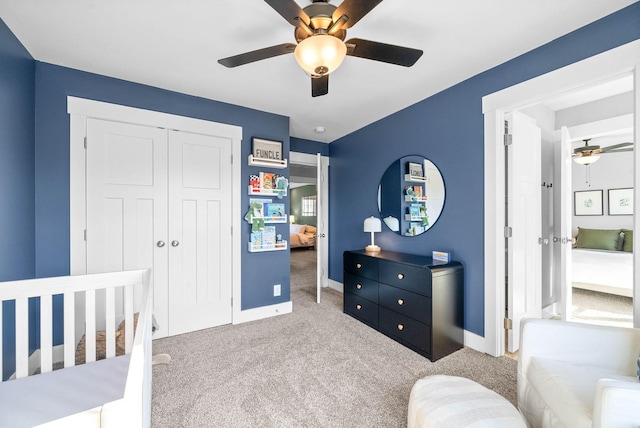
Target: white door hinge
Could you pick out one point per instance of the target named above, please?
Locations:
(508, 139)
(85, 142)
(85, 234)
(507, 232)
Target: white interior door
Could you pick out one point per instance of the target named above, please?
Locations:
(126, 210)
(524, 256)
(200, 239)
(565, 233)
(320, 233)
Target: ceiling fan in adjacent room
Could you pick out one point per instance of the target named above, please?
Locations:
(320, 30)
(587, 154)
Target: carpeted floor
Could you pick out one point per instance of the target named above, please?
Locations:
(602, 308)
(315, 367)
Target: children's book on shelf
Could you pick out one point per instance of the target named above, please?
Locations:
(414, 210)
(256, 240)
(274, 211)
(417, 191)
(269, 237)
(266, 179)
(254, 182)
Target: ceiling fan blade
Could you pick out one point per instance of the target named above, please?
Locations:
(377, 51)
(257, 55)
(615, 147)
(618, 150)
(289, 10)
(355, 10)
(319, 85)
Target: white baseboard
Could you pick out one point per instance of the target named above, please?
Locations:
(338, 286)
(263, 312)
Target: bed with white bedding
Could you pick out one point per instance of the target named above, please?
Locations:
(603, 271)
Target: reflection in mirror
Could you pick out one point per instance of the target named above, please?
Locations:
(411, 195)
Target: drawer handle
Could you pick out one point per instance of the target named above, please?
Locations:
(358, 265)
(358, 307)
(400, 276)
(400, 327)
(400, 302)
(359, 286)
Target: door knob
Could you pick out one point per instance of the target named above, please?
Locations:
(175, 243)
(160, 244)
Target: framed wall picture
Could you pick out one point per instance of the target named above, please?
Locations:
(621, 201)
(587, 202)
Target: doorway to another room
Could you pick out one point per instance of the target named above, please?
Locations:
(565, 106)
(308, 178)
(303, 228)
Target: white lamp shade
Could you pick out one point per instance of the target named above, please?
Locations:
(320, 54)
(372, 224)
(586, 160)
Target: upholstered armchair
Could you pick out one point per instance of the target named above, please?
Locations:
(578, 375)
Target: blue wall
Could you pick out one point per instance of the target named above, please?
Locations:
(17, 201)
(308, 146)
(17, 100)
(448, 129)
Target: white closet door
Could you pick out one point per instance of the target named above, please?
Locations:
(127, 203)
(200, 240)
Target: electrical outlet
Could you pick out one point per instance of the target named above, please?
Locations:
(276, 290)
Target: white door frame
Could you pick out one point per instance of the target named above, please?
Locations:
(79, 110)
(312, 160)
(567, 79)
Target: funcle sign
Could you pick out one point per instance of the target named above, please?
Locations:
(267, 150)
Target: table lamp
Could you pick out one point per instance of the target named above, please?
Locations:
(372, 224)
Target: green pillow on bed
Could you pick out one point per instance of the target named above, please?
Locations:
(628, 240)
(598, 239)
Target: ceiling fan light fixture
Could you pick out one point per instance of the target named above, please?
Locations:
(586, 160)
(320, 54)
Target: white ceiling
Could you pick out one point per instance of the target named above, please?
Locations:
(175, 45)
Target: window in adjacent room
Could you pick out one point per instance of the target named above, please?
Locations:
(309, 206)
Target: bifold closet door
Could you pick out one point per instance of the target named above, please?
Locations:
(200, 237)
(126, 170)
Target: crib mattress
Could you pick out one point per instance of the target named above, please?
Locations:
(39, 399)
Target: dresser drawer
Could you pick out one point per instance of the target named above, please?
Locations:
(362, 309)
(406, 303)
(403, 328)
(412, 278)
(362, 287)
(361, 265)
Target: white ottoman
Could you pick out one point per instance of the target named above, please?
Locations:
(450, 401)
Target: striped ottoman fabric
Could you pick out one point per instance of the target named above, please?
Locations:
(450, 401)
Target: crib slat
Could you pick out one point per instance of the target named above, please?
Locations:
(90, 334)
(22, 338)
(128, 316)
(46, 334)
(69, 329)
(110, 324)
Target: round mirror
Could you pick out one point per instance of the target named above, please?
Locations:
(411, 195)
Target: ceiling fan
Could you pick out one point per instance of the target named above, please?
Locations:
(320, 30)
(587, 154)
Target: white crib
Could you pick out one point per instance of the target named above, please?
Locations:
(112, 392)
